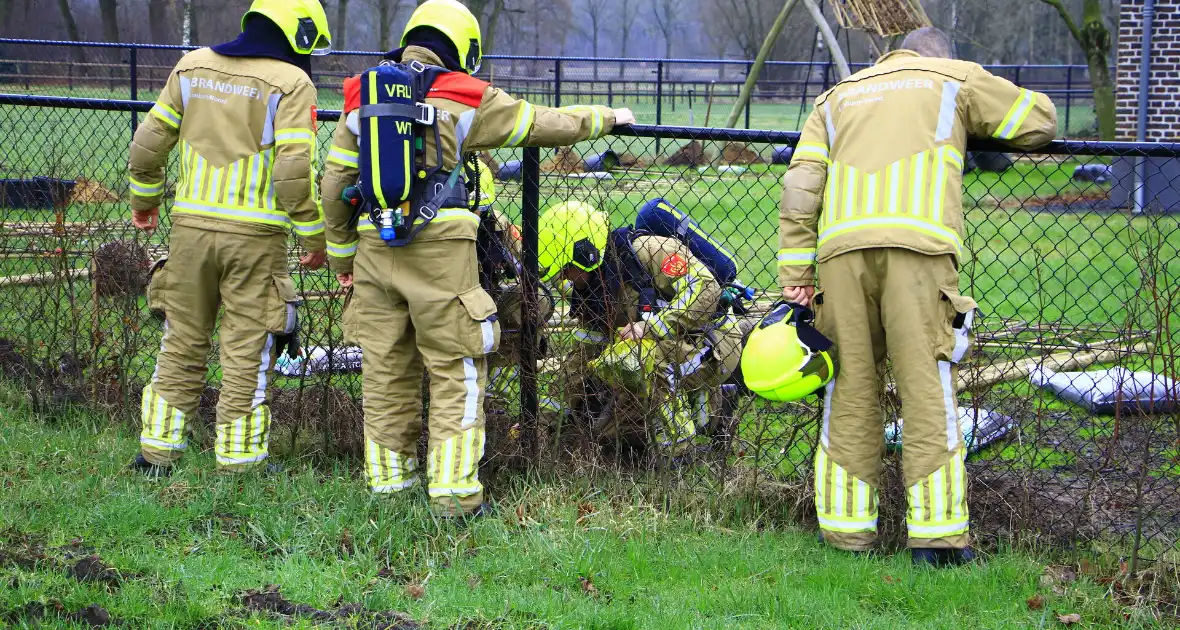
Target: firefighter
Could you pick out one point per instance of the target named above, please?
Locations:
(871, 234)
(244, 115)
(652, 321)
(420, 305)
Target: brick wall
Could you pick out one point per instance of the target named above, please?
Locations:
(1163, 109)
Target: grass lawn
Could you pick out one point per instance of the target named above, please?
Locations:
(181, 552)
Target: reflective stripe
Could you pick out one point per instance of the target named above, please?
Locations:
(917, 183)
(870, 198)
(963, 337)
(950, 405)
(342, 251)
(245, 439)
(947, 111)
(233, 188)
(344, 157)
(894, 186)
(954, 157)
(185, 90)
(916, 224)
(388, 471)
(798, 256)
(225, 211)
(951, 528)
(166, 114)
(444, 216)
(838, 496)
(162, 445)
(472, 399)
(814, 149)
(141, 189)
(589, 336)
(690, 367)
(938, 190)
(374, 146)
(829, 123)
(293, 136)
(848, 524)
(595, 118)
(830, 195)
(524, 124)
(263, 368)
(463, 127)
(268, 126)
(850, 206)
(268, 187)
(827, 420)
(453, 466)
(198, 176)
(310, 228)
(162, 425)
(1016, 116)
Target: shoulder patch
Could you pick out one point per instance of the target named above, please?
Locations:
(458, 87)
(352, 93)
(515, 232)
(674, 266)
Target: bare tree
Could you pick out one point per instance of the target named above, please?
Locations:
(386, 13)
(188, 29)
(667, 20)
(627, 12)
(341, 37)
(109, 13)
(596, 13)
(67, 16)
(1094, 39)
(158, 20)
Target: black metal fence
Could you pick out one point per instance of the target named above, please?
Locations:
(1071, 269)
(666, 91)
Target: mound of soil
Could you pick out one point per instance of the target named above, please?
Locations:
(93, 616)
(270, 600)
(691, 154)
(565, 161)
(93, 570)
(89, 191)
(739, 153)
(120, 268)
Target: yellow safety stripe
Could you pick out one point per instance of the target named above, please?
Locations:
(234, 213)
(308, 228)
(294, 136)
(1016, 115)
(916, 224)
(588, 336)
(444, 216)
(344, 157)
(799, 256)
(453, 465)
(677, 422)
(388, 471)
(686, 295)
(244, 440)
(596, 121)
(524, 124)
(163, 424)
(140, 189)
(843, 502)
(831, 203)
(345, 250)
(938, 503)
(166, 114)
(811, 149)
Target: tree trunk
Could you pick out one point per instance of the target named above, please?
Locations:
(756, 69)
(489, 40)
(341, 38)
(67, 16)
(384, 18)
(1096, 44)
(188, 30)
(158, 21)
(108, 10)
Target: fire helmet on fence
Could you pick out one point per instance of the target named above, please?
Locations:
(457, 23)
(785, 358)
(304, 22)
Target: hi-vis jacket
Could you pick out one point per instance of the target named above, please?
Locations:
(880, 160)
(472, 116)
(246, 128)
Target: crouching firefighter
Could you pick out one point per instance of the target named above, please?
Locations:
(652, 321)
(243, 113)
(405, 242)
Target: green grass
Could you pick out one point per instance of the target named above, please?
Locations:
(188, 546)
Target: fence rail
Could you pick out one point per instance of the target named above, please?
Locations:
(1068, 271)
(676, 89)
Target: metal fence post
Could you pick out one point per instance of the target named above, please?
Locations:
(134, 87)
(659, 98)
(557, 83)
(530, 208)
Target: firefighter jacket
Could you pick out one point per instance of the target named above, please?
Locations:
(472, 116)
(246, 128)
(880, 160)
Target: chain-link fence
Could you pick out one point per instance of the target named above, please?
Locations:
(1073, 256)
(666, 91)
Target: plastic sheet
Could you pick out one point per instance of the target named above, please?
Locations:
(1105, 391)
(319, 359)
(980, 428)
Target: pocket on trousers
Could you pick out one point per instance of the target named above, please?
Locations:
(959, 324)
(283, 310)
(482, 329)
(157, 289)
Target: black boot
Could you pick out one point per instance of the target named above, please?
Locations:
(148, 469)
(924, 556)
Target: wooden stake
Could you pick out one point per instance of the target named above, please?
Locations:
(43, 278)
(993, 374)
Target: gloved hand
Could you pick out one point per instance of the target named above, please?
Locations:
(290, 343)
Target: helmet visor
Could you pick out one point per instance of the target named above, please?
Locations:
(309, 40)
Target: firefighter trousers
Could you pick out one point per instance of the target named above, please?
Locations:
(874, 303)
(207, 270)
(414, 307)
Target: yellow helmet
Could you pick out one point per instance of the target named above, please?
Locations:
(785, 358)
(487, 188)
(303, 22)
(571, 233)
(456, 22)
(629, 364)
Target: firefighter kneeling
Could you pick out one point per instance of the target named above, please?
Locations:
(653, 321)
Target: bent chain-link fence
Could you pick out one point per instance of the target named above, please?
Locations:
(1074, 263)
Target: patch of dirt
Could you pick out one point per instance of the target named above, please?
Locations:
(120, 268)
(270, 600)
(564, 161)
(89, 191)
(629, 160)
(93, 616)
(691, 154)
(739, 153)
(92, 569)
(1095, 200)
